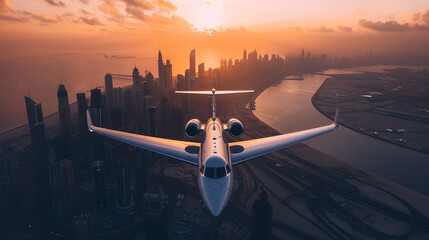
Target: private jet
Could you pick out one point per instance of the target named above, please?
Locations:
(214, 156)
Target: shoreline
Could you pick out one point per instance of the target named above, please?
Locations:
(316, 97)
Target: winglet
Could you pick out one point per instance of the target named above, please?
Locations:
(89, 121)
(337, 118)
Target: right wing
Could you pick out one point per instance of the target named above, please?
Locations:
(181, 150)
(246, 150)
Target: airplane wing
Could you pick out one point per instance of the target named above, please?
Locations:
(181, 150)
(246, 150)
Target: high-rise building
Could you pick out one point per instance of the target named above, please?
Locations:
(99, 182)
(168, 75)
(244, 56)
(136, 75)
(108, 85)
(192, 64)
(82, 106)
(180, 82)
(156, 216)
(64, 110)
(118, 99)
(140, 156)
(57, 189)
(10, 169)
(152, 121)
(161, 71)
(117, 118)
(201, 80)
(29, 187)
(124, 202)
(188, 86)
(302, 53)
(262, 217)
(40, 144)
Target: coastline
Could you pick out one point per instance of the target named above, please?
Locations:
(316, 97)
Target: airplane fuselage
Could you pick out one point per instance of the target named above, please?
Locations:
(215, 176)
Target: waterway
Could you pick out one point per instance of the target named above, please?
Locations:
(287, 107)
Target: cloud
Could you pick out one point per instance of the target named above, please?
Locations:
(40, 17)
(85, 12)
(92, 21)
(113, 13)
(136, 13)
(142, 4)
(4, 6)
(84, 1)
(321, 29)
(419, 21)
(344, 29)
(57, 3)
(166, 5)
(389, 26)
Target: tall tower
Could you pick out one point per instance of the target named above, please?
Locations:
(192, 64)
(82, 105)
(108, 85)
(161, 70)
(244, 55)
(99, 182)
(136, 75)
(64, 112)
(168, 75)
(201, 80)
(10, 169)
(40, 144)
(302, 53)
(124, 201)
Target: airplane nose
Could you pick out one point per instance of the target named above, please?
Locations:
(216, 197)
(215, 207)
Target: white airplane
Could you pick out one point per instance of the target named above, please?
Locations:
(214, 156)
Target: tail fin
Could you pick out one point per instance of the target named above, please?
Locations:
(213, 92)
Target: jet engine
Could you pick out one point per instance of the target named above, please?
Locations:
(193, 127)
(235, 127)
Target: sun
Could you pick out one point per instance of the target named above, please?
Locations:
(208, 17)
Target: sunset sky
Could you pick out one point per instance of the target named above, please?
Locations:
(283, 26)
(75, 42)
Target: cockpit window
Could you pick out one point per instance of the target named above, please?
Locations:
(210, 172)
(215, 172)
(220, 172)
(202, 169)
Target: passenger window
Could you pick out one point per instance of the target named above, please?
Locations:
(210, 172)
(220, 172)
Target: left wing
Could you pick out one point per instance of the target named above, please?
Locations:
(184, 151)
(246, 150)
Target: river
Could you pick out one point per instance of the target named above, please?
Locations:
(287, 107)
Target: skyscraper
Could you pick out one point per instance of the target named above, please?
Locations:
(10, 169)
(140, 156)
(82, 105)
(124, 201)
(244, 55)
(108, 85)
(99, 182)
(201, 80)
(152, 121)
(156, 216)
(168, 75)
(302, 53)
(136, 75)
(40, 144)
(64, 110)
(161, 71)
(192, 64)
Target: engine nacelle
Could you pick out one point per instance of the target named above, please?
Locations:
(193, 127)
(235, 127)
